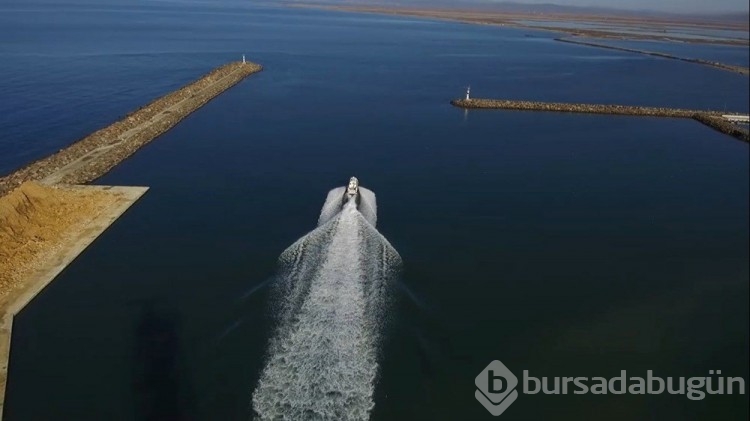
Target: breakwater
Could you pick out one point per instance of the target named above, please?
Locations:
(97, 153)
(47, 219)
(712, 119)
(732, 68)
(719, 123)
(42, 230)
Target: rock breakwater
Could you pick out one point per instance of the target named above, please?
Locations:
(97, 153)
(712, 119)
(46, 220)
(723, 66)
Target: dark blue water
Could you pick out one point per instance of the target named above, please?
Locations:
(567, 245)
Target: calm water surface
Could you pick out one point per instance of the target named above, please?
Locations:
(566, 245)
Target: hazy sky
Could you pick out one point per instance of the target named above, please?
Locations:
(685, 6)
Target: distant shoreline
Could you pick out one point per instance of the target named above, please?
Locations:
(488, 17)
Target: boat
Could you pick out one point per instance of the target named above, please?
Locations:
(353, 188)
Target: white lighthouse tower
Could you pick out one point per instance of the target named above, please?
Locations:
(243, 59)
(468, 91)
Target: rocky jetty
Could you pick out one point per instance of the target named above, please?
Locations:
(97, 153)
(46, 220)
(732, 68)
(719, 123)
(712, 119)
(574, 108)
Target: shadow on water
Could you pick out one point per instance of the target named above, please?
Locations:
(162, 390)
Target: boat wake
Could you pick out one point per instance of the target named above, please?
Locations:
(330, 299)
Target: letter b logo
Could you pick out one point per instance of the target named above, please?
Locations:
(496, 384)
(496, 388)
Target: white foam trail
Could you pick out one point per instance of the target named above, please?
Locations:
(331, 296)
(332, 205)
(336, 199)
(368, 206)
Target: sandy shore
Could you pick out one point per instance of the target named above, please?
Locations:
(47, 218)
(42, 229)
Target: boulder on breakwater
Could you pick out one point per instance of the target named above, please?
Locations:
(712, 119)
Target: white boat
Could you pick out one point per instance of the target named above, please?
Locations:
(353, 188)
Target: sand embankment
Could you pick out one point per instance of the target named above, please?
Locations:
(94, 155)
(712, 119)
(42, 229)
(33, 216)
(47, 218)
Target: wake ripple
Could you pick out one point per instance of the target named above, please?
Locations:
(330, 300)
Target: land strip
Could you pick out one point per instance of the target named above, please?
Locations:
(732, 68)
(42, 229)
(96, 154)
(487, 17)
(490, 17)
(712, 119)
(47, 218)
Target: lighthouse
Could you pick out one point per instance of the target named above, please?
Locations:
(468, 91)
(243, 59)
